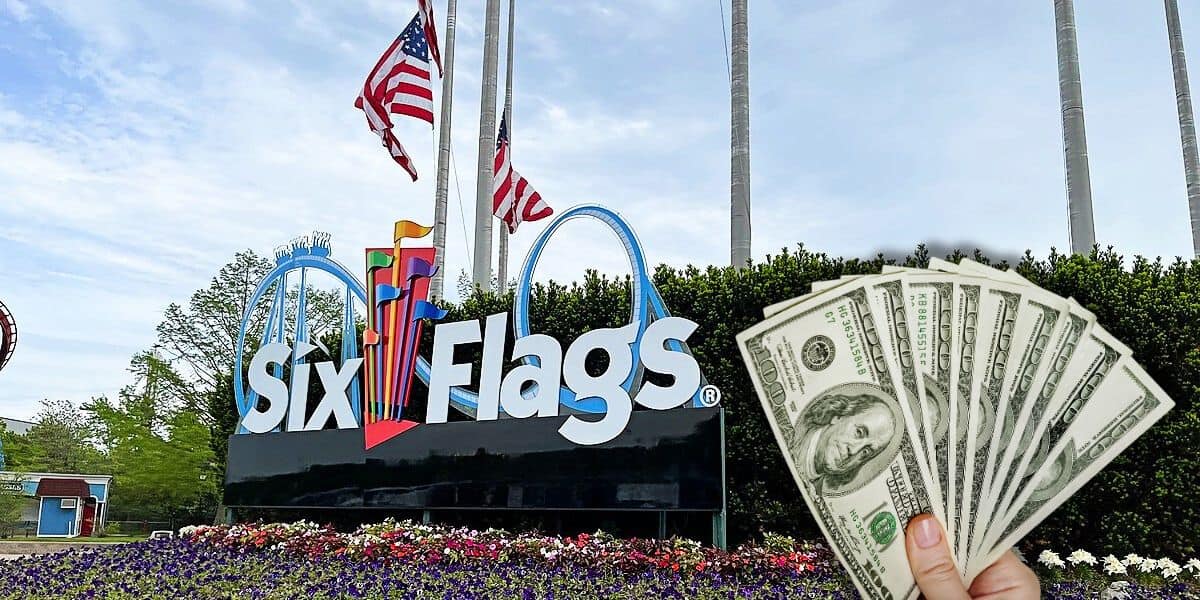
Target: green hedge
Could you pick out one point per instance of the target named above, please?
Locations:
(1144, 502)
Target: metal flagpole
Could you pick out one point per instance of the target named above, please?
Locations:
(502, 269)
(1070, 92)
(443, 169)
(1187, 122)
(739, 177)
(482, 273)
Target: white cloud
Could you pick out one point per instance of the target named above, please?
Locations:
(18, 9)
(142, 144)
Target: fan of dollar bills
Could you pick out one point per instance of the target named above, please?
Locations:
(961, 391)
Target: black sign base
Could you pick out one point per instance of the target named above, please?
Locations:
(664, 460)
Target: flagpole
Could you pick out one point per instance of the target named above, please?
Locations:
(739, 188)
(482, 272)
(502, 271)
(441, 196)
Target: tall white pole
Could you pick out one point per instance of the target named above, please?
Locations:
(1187, 121)
(1070, 93)
(440, 197)
(502, 269)
(482, 273)
(739, 180)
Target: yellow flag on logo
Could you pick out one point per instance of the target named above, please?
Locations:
(409, 229)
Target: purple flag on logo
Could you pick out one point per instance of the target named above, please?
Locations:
(419, 267)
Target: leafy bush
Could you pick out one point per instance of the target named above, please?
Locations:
(1143, 501)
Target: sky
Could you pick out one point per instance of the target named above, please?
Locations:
(143, 144)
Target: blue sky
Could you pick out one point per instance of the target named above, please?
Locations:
(142, 144)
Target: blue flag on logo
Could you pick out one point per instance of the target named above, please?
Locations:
(387, 293)
(428, 310)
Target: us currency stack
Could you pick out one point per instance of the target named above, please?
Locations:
(959, 390)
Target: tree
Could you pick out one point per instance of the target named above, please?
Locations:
(199, 341)
(12, 501)
(160, 450)
(62, 440)
(203, 335)
(1079, 183)
(193, 360)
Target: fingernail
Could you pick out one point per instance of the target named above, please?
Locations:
(927, 532)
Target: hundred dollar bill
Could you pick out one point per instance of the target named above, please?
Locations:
(1094, 359)
(931, 313)
(835, 405)
(1122, 407)
(1009, 339)
(976, 311)
(896, 319)
(1029, 405)
(890, 305)
(965, 319)
(1030, 323)
(1027, 399)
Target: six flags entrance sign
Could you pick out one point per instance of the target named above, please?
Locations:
(505, 455)
(390, 349)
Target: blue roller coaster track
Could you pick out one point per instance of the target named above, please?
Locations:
(302, 255)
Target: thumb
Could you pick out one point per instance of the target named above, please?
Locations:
(930, 560)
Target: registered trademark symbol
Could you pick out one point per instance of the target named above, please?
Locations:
(710, 396)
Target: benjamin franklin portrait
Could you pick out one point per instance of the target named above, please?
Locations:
(848, 436)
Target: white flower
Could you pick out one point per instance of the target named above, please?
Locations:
(1082, 556)
(1113, 566)
(1133, 560)
(1117, 590)
(1050, 559)
(1148, 565)
(1193, 565)
(1170, 569)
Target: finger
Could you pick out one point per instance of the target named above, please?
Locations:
(1006, 578)
(930, 560)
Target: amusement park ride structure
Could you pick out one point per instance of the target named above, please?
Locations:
(8, 343)
(8, 335)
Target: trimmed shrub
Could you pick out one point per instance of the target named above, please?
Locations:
(1143, 502)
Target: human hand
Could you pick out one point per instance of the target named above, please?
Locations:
(938, 577)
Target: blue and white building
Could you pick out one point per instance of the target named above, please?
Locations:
(60, 505)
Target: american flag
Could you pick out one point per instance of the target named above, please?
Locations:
(426, 8)
(514, 201)
(399, 84)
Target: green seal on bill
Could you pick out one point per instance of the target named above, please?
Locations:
(883, 528)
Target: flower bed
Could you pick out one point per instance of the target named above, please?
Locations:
(407, 560)
(200, 571)
(406, 541)
(1131, 576)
